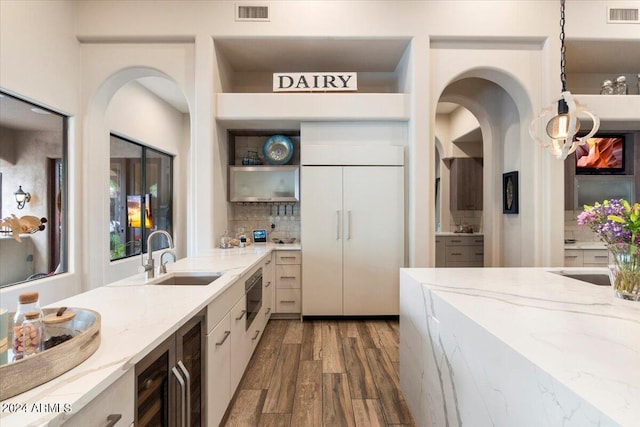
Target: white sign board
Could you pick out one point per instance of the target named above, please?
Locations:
(315, 82)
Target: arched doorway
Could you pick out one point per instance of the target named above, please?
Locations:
(126, 103)
(498, 115)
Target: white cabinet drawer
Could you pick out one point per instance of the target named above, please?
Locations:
(464, 253)
(288, 257)
(573, 258)
(116, 400)
(288, 276)
(464, 240)
(288, 300)
(598, 257)
(220, 306)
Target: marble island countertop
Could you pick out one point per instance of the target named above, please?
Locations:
(136, 317)
(518, 346)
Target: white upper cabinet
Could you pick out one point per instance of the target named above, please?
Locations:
(264, 184)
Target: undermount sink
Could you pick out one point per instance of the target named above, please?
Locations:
(188, 279)
(600, 279)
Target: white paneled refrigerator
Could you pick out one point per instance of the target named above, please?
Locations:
(352, 239)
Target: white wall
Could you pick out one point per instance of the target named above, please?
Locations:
(40, 61)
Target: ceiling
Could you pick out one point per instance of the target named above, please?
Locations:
(19, 115)
(322, 54)
(167, 90)
(603, 56)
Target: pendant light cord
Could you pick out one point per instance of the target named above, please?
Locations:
(563, 61)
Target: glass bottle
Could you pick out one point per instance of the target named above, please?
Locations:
(620, 87)
(607, 88)
(32, 333)
(28, 302)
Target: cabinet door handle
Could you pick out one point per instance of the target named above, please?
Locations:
(242, 313)
(601, 256)
(348, 225)
(224, 338)
(182, 393)
(287, 257)
(268, 284)
(268, 311)
(187, 393)
(112, 420)
(287, 277)
(338, 225)
(268, 262)
(479, 253)
(571, 256)
(456, 253)
(287, 302)
(255, 336)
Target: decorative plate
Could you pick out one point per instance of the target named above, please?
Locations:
(277, 150)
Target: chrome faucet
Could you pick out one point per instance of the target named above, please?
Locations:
(163, 265)
(149, 270)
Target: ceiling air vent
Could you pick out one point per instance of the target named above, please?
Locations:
(252, 13)
(623, 15)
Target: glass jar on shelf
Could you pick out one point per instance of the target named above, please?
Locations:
(607, 88)
(620, 87)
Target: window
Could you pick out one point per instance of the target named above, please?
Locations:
(33, 153)
(141, 197)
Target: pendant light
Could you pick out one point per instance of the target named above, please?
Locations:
(562, 123)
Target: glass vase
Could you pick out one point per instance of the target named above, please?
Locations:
(624, 271)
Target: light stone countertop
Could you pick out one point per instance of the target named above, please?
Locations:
(585, 245)
(547, 349)
(135, 318)
(451, 233)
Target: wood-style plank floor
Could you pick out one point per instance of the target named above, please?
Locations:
(322, 373)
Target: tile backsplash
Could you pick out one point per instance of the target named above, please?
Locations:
(572, 230)
(473, 218)
(253, 216)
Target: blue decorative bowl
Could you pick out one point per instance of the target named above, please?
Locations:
(277, 150)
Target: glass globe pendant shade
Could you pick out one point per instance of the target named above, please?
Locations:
(558, 127)
(562, 125)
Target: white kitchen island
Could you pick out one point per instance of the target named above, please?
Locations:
(517, 347)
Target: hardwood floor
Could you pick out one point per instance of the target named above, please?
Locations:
(322, 373)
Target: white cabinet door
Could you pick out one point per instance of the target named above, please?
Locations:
(116, 402)
(373, 239)
(240, 342)
(218, 371)
(321, 228)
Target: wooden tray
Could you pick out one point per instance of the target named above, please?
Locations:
(21, 375)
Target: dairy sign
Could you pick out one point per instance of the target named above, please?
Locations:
(315, 82)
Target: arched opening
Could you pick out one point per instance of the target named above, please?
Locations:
(484, 123)
(148, 109)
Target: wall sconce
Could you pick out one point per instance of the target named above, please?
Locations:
(21, 197)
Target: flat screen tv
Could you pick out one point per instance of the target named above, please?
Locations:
(603, 154)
